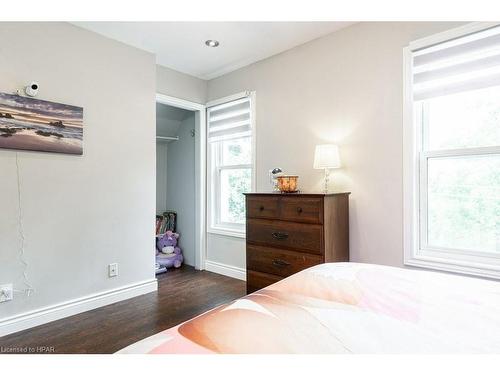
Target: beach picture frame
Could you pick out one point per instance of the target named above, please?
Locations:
(39, 125)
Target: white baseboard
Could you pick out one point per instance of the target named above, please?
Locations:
(226, 270)
(48, 314)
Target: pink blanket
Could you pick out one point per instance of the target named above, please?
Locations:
(346, 308)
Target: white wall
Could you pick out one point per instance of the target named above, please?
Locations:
(80, 213)
(344, 88)
(181, 186)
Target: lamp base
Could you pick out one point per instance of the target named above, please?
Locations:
(327, 180)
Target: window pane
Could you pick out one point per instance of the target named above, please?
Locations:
(233, 183)
(237, 151)
(467, 119)
(464, 203)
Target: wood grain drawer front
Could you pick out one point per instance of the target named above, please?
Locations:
(263, 207)
(279, 262)
(259, 280)
(303, 237)
(306, 210)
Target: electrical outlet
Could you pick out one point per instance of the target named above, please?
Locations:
(6, 293)
(113, 270)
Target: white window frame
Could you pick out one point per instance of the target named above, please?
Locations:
(214, 169)
(416, 250)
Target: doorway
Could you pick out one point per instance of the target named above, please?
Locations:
(180, 178)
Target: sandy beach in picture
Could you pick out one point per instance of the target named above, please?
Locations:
(39, 125)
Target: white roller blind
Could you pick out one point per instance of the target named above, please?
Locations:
(229, 120)
(466, 63)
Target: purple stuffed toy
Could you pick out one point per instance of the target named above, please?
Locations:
(168, 254)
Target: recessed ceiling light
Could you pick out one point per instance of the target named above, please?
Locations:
(212, 43)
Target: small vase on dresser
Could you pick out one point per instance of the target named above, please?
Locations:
(286, 233)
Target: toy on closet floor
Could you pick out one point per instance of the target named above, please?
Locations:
(168, 254)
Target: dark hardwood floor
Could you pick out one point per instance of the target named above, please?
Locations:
(182, 294)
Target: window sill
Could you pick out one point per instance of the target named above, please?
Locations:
(227, 232)
(459, 267)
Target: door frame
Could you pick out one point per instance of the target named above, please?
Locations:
(200, 172)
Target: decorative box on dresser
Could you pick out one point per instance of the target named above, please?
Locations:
(286, 233)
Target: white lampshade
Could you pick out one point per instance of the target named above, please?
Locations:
(326, 156)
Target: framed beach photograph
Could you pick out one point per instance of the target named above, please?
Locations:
(38, 125)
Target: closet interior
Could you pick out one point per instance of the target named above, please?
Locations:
(175, 187)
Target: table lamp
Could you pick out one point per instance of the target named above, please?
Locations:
(326, 157)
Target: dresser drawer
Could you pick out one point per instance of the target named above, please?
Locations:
(278, 261)
(262, 207)
(259, 280)
(303, 237)
(305, 210)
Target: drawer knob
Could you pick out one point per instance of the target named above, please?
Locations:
(299, 210)
(280, 235)
(280, 263)
(261, 208)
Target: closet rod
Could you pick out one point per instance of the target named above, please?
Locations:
(167, 138)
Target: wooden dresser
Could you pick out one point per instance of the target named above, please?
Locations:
(286, 233)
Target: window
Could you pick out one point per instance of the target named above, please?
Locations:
(230, 161)
(452, 146)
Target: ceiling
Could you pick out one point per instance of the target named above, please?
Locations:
(181, 45)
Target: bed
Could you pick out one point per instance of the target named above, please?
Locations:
(346, 308)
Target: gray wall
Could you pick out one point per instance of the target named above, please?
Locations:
(345, 88)
(168, 121)
(161, 176)
(181, 186)
(180, 85)
(80, 213)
